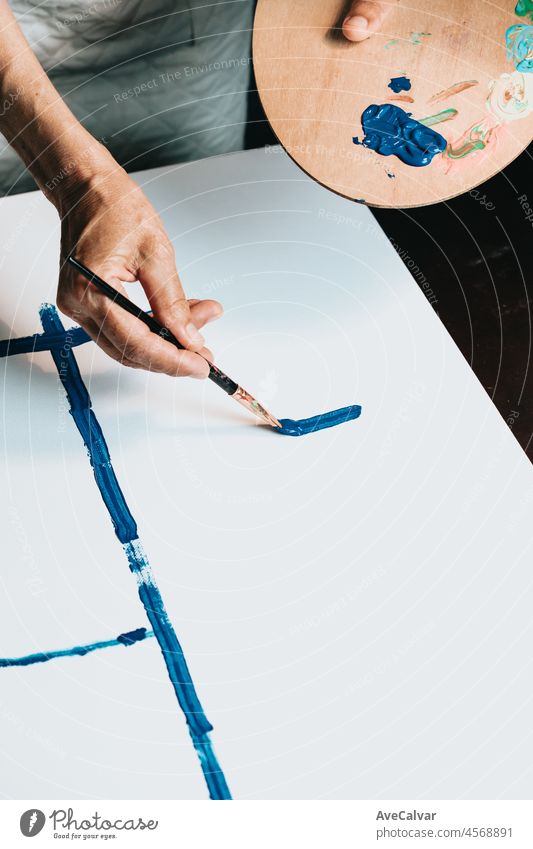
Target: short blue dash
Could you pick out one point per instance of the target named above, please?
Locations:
(299, 427)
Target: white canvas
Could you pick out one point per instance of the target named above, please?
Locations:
(354, 605)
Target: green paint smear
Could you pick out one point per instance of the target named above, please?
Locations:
(439, 117)
(524, 8)
(417, 36)
(478, 140)
(414, 37)
(465, 149)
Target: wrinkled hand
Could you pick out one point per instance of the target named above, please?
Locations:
(111, 227)
(364, 18)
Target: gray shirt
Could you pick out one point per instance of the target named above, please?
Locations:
(158, 82)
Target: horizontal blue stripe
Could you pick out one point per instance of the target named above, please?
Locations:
(127, 639)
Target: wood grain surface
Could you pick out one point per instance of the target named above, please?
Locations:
(314, 86)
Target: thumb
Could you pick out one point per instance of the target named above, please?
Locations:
(162, 285)
(364, 18)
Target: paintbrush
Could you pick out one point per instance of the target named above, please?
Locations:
(226, 383)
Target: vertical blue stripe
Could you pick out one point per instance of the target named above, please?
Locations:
(126, 531)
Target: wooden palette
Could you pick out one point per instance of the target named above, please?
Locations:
(314, 86)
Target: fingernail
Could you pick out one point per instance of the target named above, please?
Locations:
(357, 22)
(195, 337)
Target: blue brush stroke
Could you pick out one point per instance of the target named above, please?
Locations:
(290, 427)
(90, 430)
(44, 342)
(126, 531)
(398, 84)
(391, 131)
(127, 639)
(199, 725)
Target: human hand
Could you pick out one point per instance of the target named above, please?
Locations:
(364, 19)
(106, 221)
(111, 227)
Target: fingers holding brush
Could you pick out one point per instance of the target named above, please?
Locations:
(112, 228)
(163, 288)
(95, 332)
(121, 335)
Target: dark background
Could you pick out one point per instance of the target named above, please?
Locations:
(476, 253)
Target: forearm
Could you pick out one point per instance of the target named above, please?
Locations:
(57, 150)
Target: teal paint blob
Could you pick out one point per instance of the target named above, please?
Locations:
(398, 84)
(519, 41)
(391, 131)
(524, 9)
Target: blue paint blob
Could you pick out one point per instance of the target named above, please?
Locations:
(78, 651)
(398, 84)
(55, 339)
(131, 637)
(291, 427)
(391, 131)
